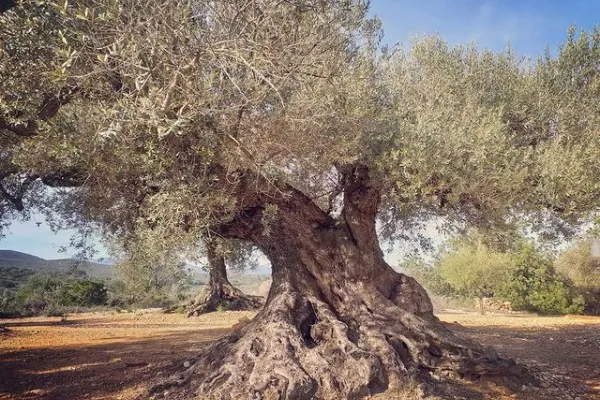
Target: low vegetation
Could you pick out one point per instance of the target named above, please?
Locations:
(51, 294)
(526, 276)
(44, 290)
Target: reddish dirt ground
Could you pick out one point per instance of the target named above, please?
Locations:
(113, 355)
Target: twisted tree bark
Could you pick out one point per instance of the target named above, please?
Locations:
(338, 322)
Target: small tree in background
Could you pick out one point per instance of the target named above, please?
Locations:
(474, 270)
(428, 274)
(516, 271)
(40, 293)
(581, 267)
(220, 293)
(147, 277)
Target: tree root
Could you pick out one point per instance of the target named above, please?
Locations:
(299, 348)
(225, 298)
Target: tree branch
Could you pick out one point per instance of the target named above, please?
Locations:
(17, 199)
(50, 107)
(362, 196)
(248, 224)
(72, 177)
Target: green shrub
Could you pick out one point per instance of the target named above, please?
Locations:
(84, 293)
(123, 295)
(517, 272)
(50, 294)
(474, 270)
(581, 268)
(579, 265)
(533, 285)
(588, 298)
(39, 292)
(8, 304)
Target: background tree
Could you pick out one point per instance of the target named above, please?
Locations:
(581, 267)
(86, 293)
(285, 124)
(156, 276)
(147, 276)
(427, 273)
(503, 265)
(220, 293)
(533, 284)
(474, 270)
(579, 264)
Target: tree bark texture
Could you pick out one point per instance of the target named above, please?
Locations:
(339, 323)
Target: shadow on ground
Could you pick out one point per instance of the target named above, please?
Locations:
(106, 371)
(566, 357)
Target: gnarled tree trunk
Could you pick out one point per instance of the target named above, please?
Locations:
(221, 294)
(338, 322)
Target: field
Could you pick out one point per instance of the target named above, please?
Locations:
(112, 355)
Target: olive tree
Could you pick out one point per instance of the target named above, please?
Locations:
(474, 271)
(220, 293)
(579, 264)
(286, 125)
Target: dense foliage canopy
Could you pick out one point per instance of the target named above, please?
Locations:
(166, 118)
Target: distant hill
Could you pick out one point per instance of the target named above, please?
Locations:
(11, 255)
(16, 259)
(104, 268)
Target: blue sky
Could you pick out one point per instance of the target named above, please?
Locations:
(35, 237)
(529, 25)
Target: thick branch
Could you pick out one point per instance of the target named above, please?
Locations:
(27, 130)
(17, 202)
(362, 196)
(16, 199)
(50, 107)
(72, 177)
(254, 194)
(64, 178)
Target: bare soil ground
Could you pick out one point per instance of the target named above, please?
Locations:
(113, 356)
